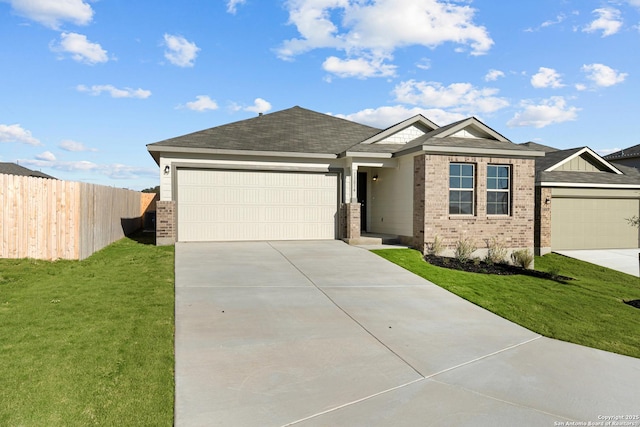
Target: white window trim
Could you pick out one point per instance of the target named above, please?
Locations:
(472, 189)
(497, 190)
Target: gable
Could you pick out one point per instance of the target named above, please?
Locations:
(405, 135)
(471, 132)
(581, 160)
(583, 163)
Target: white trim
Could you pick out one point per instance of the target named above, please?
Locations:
(585, 185)
(170, 149)
(593, 154)
(481, 151)
(472, 121)
(400, 126)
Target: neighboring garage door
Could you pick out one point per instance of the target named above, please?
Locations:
(226, 205)
(593, 223)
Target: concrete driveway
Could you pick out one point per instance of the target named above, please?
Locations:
(325, 334)
(624, 260)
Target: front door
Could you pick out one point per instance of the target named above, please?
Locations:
(362, 199)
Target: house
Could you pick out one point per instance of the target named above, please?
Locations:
(583, 201)
(627, 157)
(15, 169)
(299, 174)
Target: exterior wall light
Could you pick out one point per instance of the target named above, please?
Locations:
(547, 200)
(167, 169)
(375, 177)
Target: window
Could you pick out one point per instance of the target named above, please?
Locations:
(498, 190)
(461, 185)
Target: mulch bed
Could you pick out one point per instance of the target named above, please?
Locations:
(477, 266)
(633, 303)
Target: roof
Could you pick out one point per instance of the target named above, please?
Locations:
(539, 147)
(615, 176)
(15, 169)
(626, 153)
(295, 130)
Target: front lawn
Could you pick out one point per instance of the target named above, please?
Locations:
(88, 342)
(588, 310)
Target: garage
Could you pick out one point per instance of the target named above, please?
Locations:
(593, 223)
(236, 205)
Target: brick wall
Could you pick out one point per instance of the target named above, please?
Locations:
(515, 231)
(542, 238)
(165, 222)
(351, 221)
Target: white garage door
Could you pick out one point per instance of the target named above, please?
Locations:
(593, 223)
(225, 205)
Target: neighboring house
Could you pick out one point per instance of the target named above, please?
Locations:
(299, 174)
(14, 169)
(627, 157)
(583, 201)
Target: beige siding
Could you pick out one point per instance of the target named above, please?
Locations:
(225, 205)
(391, 199)
(580, 164)
(593, 223)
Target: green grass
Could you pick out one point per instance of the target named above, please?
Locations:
(88, 342)
(588, 310)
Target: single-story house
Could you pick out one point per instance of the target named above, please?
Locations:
(626, 157)
(15, 169)
(300, 174)
(583, 201)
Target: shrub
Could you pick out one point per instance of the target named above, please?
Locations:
(464, 249)
(436, 247)
(522, 258)
(496, 252)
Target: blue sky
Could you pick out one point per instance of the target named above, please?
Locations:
(85, 85)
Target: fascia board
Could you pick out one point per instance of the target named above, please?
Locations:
(579, 153)
(472, 121)
(473, 151)
(584, 185)
(368, 155)
(169, 149)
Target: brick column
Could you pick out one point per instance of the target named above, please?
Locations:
(351, 215)
(165, 222)
(419, 197)
(542, 224)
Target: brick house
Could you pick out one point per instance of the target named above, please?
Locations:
(299, 174)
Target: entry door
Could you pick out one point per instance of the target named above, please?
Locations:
(362, 199)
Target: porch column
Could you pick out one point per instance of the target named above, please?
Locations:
(351, 207)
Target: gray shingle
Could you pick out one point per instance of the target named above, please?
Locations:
(14, 169)
(625, 153)
(295, 130)
(588, 178)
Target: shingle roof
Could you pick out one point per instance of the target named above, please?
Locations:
(627, 152)
(295, 130)
(539, 147)
(588, 178)
(14, 169)
(553, 157)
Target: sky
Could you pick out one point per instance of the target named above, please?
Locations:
(85, 85)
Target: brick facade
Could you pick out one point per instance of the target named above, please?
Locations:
(542, 238)
(166, 226)
(431, 210)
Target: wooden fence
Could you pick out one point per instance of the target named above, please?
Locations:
(52, 219)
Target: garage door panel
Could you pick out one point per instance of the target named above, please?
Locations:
(222, 205)
(593, 223)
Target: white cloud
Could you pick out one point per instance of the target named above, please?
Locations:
(460, 97)
(375, 29)
(69, 145)
(383, 117)
(202, 103)
(546, 77)
(47, 155)
(493, 75)
(550, 111)
(114, 170)
(608, 21)
(580, 86)
(180, 51)
(603, 75)
(115, 92)
(359, 67)
(604, 151)
(424, 64)
(232, 5)
(81, 49)
(52, 13)
(16, 133)
(259, 106)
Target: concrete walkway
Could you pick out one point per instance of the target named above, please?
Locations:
(624, 260)
(324, 334)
